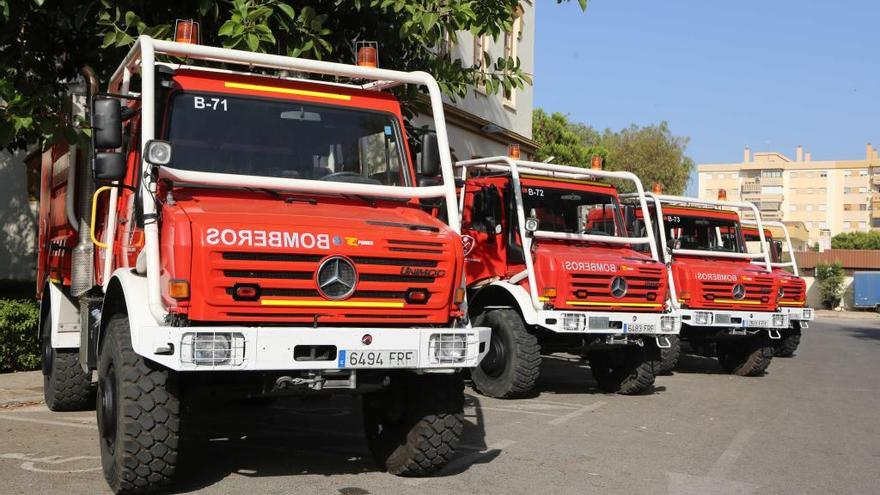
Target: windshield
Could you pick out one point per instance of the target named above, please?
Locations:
(702, 233)
(287, 139)
(573, 211)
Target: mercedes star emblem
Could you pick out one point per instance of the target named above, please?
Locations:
(618, 287)
(739, 291)
(337, 278)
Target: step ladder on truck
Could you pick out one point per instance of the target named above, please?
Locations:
(551, 268)
(253, 234)
(793, 300)
(729, 305)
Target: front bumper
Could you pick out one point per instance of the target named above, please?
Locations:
(272, 348)
(609, 323)
(799, 314)
(734, 319)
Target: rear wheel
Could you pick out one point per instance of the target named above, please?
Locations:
(138, 415)
(66, 387)
(414, 426)
(788, 344)
(746, 357)
(512, 365)
(627, 370)
(669, 356)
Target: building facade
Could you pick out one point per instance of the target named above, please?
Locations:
(828, 196)
(481, 125)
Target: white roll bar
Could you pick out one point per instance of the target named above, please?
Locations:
(781, 264)
(515, 167)
(142, 58)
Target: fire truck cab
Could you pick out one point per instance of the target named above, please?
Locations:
(729, 305)
(252, 233)
(794, 289)
(550, 267)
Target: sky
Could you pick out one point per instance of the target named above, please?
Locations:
(768, 74)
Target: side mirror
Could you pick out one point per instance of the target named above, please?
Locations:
(430, 163)
(107, 123)
(109, 165)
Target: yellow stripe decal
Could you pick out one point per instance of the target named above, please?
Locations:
(781, 303)
(286, 91)
(734, 301)
(597, 303)
(331, 304)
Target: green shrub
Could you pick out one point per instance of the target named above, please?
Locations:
(830, 278)
(19, 346)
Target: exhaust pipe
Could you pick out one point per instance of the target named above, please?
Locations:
(82, 265)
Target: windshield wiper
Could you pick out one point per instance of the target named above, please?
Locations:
(277, 195)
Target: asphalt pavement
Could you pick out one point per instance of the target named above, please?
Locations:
(808, 426)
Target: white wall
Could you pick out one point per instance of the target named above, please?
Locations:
(18, 225)
(814, 296)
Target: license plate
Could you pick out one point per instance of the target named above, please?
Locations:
(639, 328)
(756, 323)
(377, 359)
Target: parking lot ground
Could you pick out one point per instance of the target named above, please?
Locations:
(808, 426)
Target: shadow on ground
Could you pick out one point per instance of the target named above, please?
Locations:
(289, 437)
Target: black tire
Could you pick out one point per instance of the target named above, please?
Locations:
(414, 426)
(669, 357)
(512, 365)
(66, 387)
(747, 357)
(626, 370)
(138, 415)
(788, 344)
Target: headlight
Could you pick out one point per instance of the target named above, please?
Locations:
(574, 322)
(667, 324)
(808, 313)
(212, 348)
(158, 152)
(702, 318)
(778, 320)
(448, 347)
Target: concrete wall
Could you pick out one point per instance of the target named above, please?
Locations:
(18, 224)
(814, 296)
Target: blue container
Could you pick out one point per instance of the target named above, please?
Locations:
(866, 289)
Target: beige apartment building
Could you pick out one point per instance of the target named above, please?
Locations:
(827, 196)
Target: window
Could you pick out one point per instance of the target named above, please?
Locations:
(771, 189)
(511, 40)
(703, 233)
(481, 48)
(708, 176)
(771, 173)
(285, 139)
(823, 173)
(720, 175)
(863, 189)
(863, 207)
(863, 173)
(847, 173)
(847, 190)
(572, 211)
(823, 225)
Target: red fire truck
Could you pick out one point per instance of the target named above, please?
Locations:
(728, 305)
(794, 289)
(551, 268)
(250, 231)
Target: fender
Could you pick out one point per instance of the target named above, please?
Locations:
(128, 289)
(519, 295)
(64, 316)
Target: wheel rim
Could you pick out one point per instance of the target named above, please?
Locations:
(107, 407)
(494, 361)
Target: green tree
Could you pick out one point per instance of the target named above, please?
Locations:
(44, 44)
(830, 279)
(856, 240)
(651, 152)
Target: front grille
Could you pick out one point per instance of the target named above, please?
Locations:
(385, 272)
(644, 285)
(794, 291)
(759, 291)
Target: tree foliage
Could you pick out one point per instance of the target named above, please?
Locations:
(856, 240)
(44, 44)
(830, 279)
(652, 152)
(19, 347)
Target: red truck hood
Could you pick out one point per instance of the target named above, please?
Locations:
(709, 283)
(794, 289)
(583, 277)
(279, 245)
